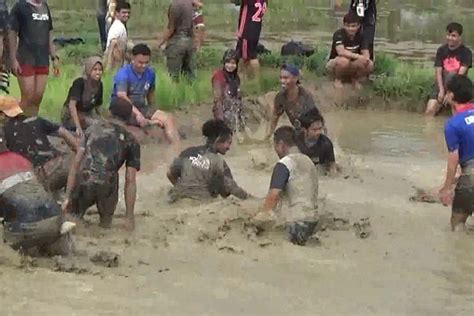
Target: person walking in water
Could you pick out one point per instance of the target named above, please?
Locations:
(459, 135)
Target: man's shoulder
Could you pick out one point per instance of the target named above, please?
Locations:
(466, 49)
(443, 48)
(192, 151)
(149, 73)
(324, 140)
(117, 25)
(303, 91)
(339, 32)
(123, 72)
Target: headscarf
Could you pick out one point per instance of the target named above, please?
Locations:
(232, 78)
(91, 86)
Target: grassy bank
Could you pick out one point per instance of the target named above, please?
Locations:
(394, 80)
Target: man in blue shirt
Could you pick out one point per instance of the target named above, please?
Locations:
(133, 95)
(459, 134)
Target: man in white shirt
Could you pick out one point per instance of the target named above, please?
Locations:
(118, 36)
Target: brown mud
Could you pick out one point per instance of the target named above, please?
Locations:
(377, 253)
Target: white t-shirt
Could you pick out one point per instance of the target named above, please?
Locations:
(118, 31)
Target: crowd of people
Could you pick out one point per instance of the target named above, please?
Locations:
(87, 173)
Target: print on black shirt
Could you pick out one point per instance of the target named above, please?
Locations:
(453, 60)
(250, 18)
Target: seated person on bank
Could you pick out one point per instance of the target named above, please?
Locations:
(293, 194)
(451, 59)
(350, 55)
(84, 98)
(94, 176)
(133, 95)
(201, 173)
(293, 99)
(314, 144)
(28, 136)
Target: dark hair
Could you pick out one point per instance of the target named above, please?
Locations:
(461, 87)
(310, 117)
(285, 134)
(122, 5)
(141, 49)
(216, 130)
(350, 18)
(454, 27)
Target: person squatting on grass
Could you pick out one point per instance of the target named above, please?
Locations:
(84, 98)
(451, 58)
(350, 56)
(31, 46)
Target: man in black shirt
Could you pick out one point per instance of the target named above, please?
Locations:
(314, 144)
(28, 136)
(451, 59)
(367, 11)
(350, 56)
(31, 47)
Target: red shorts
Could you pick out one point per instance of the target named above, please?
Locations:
(29, 71)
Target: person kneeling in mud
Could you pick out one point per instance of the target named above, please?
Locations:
(350, 55)
(200, 173)
(459, 134)
(28, 136)
(84, 98)
(106, 147)
(293, 190)
(31, 217)
(226, 86)
(293, 99)
(314, 144)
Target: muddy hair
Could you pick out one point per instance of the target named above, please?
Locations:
(310, 117)
(461, 87)
(454, 27)
(216, 130)
(285, 134)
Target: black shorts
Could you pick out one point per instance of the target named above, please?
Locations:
(247, 48)
(102, 194)
(463, 202)
(122, 110)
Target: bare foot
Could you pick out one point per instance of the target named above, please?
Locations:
(338, 84)
(357, 85)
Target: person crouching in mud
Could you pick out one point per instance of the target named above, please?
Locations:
(200, 173)
(293, 190)
(106, 147)
(226, 86)
(459, 134)
(31, 217)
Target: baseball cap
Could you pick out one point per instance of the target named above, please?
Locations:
(10, 106)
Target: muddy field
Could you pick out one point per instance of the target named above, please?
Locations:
(190, 259)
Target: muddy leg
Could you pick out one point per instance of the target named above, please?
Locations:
(458, 221)
(342, 68)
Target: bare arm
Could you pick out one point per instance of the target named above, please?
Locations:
(343, 52)
(453, 161)
(130, 192)
(68, 138)
(150, 97)
(168, 33)
(271, 200)
(218, 99)
(52, 48)
(366, 53)
(232, 188)
(71, 178)
(439, 79)
(273, 124)
(123, 95)
(74, 115)
(463, 70)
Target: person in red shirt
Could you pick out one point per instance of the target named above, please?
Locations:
(226, 86)
(248, 33)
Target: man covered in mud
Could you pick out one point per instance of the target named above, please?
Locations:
(293, 99)
(452, 58)
(200, 173)
(459, 135)
(178, 38)
(350, 56)
(94, 178)
(133, 96)
(314, 144)
(293, 190)
(28, 136)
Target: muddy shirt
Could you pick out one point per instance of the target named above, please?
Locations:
(250, 19)
(355, 45)
(108, 146)
(202, 175)
(294, 110)
(28, 136)
(32, 24)
(321, 153)
(452, 60)
(180, 17)
(76, 93)
(297, 177)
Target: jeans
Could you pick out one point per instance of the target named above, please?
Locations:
(102, 31)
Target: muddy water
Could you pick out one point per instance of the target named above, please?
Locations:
(189, 259)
